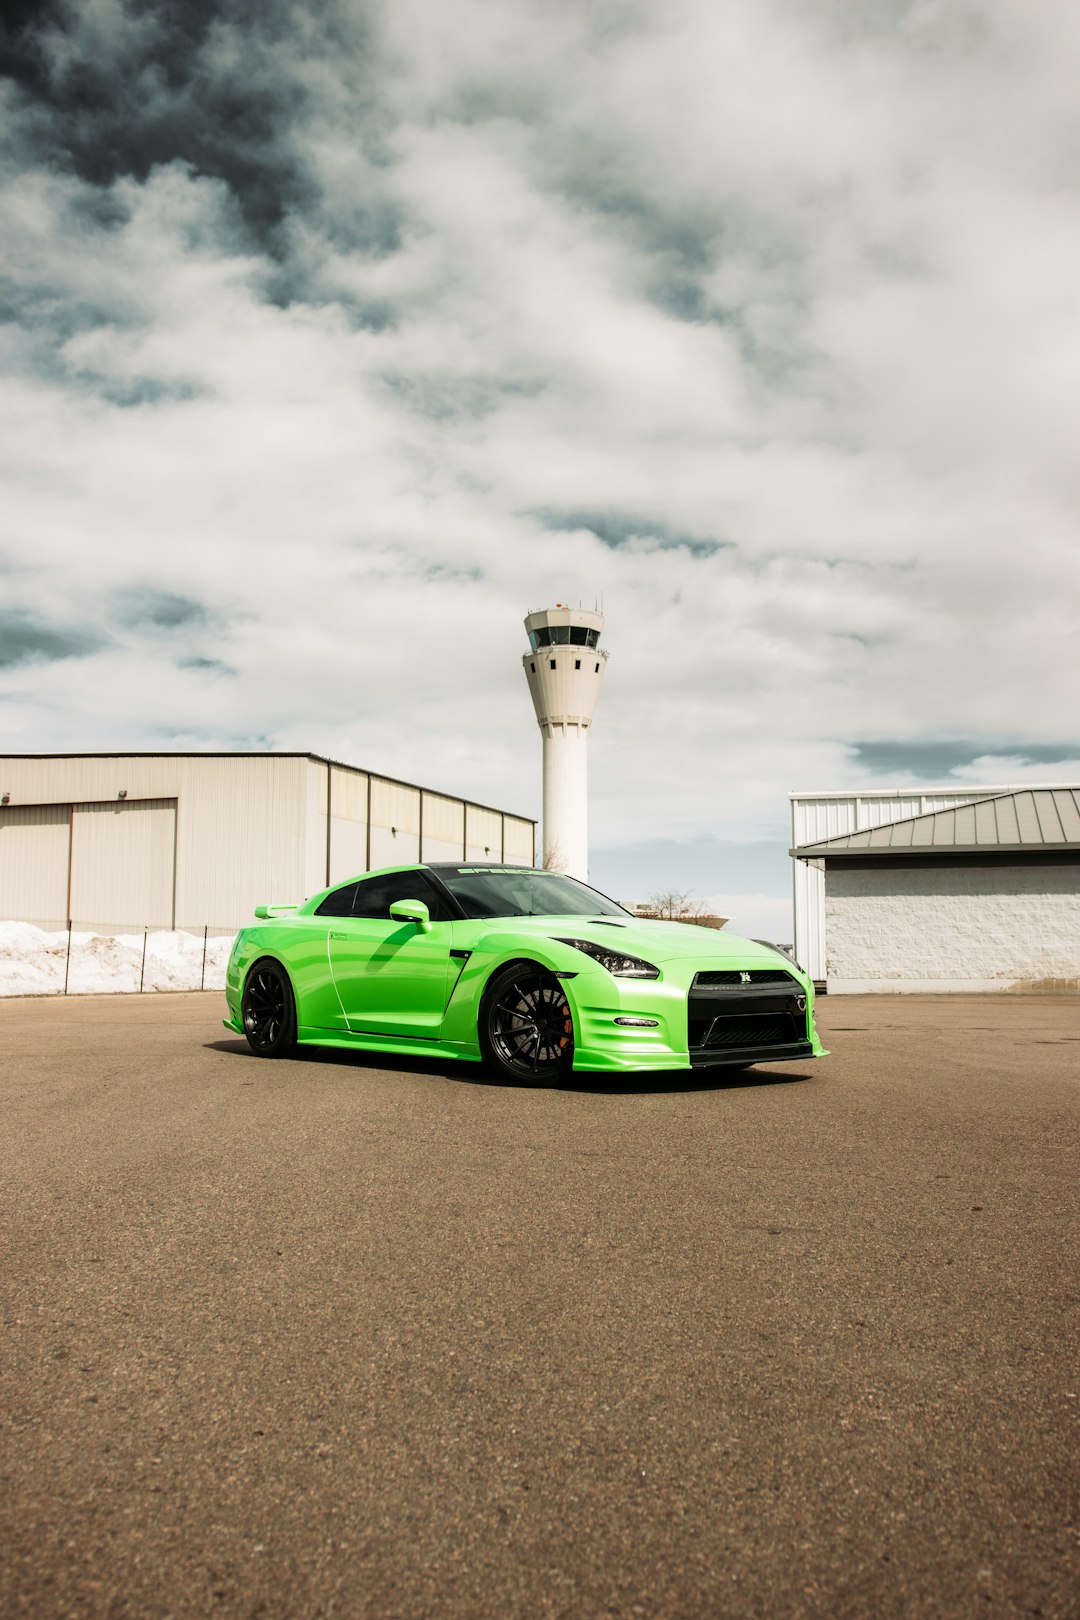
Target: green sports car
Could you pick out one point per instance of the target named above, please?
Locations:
(530, 971)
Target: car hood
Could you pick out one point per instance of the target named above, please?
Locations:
(656, 941)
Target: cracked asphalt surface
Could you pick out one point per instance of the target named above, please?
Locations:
(364, 1337)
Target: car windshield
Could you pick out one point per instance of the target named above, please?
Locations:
(485, 891)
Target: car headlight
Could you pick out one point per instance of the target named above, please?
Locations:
(616, 962)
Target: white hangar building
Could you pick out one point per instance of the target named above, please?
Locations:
(978, 895)
(114, 843)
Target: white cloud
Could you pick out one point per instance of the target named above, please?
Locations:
(799, 281)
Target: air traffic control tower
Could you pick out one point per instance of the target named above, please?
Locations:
(564, 667)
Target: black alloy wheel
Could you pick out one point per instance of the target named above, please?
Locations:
(526, 1029)
(268, 1010)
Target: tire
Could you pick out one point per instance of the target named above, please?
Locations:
(268, 1010)
(526, 1029)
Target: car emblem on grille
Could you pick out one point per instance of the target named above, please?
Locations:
(744, 978)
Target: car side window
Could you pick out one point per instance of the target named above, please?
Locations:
(375, 896)
(338, 904)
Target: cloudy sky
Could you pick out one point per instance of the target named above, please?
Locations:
(338, 335)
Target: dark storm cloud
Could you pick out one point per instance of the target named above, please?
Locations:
(28, 640)
(447, 572)
(616, 528)
(159, 610)
(688, 238)
(144, 391)
(46, 322)
(46, 319)
(206, 666)
(675, 247)
(115, 93)
(681, 244)
(443, 398)
(937, 757)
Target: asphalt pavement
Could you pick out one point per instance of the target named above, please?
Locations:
(363, 1337)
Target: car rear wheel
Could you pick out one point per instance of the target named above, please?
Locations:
(268, 1010)
(526, 1028)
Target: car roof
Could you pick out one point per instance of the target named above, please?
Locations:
(479, 866)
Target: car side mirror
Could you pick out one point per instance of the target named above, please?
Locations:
(413, 911)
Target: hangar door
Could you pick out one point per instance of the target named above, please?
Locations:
(110, 867)
(34, 864)
(123, 865)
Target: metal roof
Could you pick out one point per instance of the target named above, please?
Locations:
(272, 753)
(926, 790)
(1027, 819)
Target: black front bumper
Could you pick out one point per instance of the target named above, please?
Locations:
(754, 1023)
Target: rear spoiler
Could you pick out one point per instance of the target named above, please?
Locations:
(272, 911)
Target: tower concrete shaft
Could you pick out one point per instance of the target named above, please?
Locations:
(564, 668)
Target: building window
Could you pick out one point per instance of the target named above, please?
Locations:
(533, 668)
(577, 663)
(553, 663)
(597, 670)
(563, 635)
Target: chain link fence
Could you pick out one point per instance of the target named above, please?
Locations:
(71, 962)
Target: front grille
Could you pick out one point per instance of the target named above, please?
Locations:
(746, 1016)
(733, 976)
(750, 1030)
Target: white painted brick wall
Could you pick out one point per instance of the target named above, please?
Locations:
(951, 927)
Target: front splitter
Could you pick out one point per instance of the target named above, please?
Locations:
(791, 1052)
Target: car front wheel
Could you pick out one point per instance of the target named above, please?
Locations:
(268, 1010)
(526, 1028)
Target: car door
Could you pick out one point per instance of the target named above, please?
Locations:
(392, 977)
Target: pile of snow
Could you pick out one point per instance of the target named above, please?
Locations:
(33, 962)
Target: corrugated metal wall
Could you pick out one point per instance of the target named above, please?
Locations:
(348, 825)
(241, 837)
(218, 835)
(406, 824)
(106, 867)
(34, 844)
(815, 817)
(395, 823)
(123, 865)
(240, 822)
(519, 838)
(444, 828)
(376, 821)
(483, 834)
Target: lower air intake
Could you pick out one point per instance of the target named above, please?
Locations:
(749, 1032)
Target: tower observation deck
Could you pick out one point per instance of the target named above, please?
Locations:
(564, 668)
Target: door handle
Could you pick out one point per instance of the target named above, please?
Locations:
(338, 936)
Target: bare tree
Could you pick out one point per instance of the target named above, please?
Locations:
(553, 859)
(673, 907)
